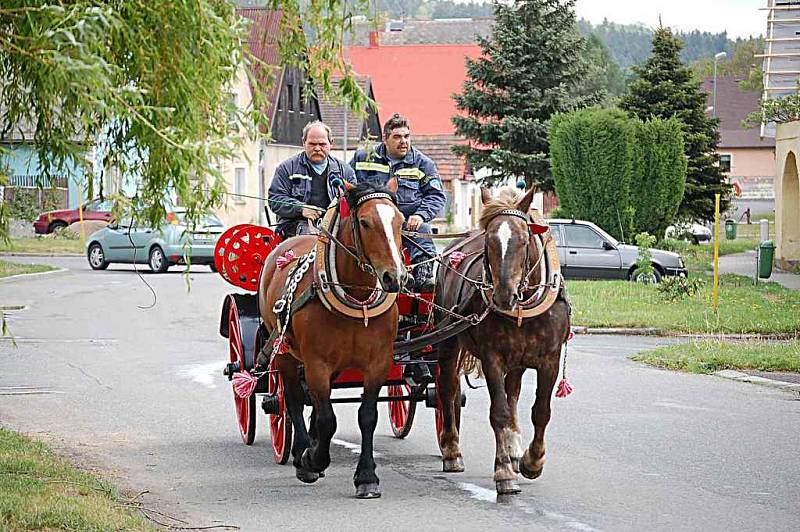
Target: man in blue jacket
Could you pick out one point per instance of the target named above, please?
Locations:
(420, 194)
(301, 189)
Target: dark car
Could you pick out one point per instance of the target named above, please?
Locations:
(96, 209)
(588, 252)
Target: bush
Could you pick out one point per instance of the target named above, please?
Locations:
(644, 263)
(681, 247)
(680, 287)
(25, 205)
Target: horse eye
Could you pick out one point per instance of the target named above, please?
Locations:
(364, 224)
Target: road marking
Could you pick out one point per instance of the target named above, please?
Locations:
(353, 447)
(487, 495)
(17, 276)
(678, 406)
(204, 374)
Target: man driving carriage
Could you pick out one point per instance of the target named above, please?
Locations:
(420, 194)
(302, 187)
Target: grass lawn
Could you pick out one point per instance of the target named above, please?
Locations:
(11, 268)
(711, 356)
(40, 491)
(44, 245)
(743, 308)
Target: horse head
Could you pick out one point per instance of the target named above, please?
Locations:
(375, 224)
(508, 249)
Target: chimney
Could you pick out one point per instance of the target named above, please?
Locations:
(374, 39)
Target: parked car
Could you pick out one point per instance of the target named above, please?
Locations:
(588, 252)
(96, 209)
(160, 247)
(694, 232)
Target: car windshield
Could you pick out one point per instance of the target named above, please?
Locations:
(206, 220)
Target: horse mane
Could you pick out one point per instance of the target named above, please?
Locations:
(506, 199)
(362, 189)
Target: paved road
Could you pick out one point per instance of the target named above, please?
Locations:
(745, 264)
(138, 395)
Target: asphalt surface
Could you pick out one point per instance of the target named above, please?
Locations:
(138, 395)
(745, 264)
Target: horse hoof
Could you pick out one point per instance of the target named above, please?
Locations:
(321, 474)
(455, 465)
(507, 487)
(307, 477)
(368, 491)
(528, 473)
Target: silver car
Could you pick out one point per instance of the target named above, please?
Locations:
(588, 252)
(159, 247)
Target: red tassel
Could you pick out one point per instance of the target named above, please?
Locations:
(537, 228)
(280, 347)
(244, 384)
(285, 259)
(344, 208)
(571, 334)
(456, 257)
(564, 388)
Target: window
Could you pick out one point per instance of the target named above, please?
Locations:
(239, 185)
(233, 102)
(725, 160)
(301, 97)
(579, 236)
(555, 230)
(290, 97)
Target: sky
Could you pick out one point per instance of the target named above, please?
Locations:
(740, 18)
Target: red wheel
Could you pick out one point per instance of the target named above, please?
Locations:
(241, 252)
(440, 414)
(280, 425)
(245, 407)
(401, 413)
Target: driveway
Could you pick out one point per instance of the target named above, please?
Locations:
(136, 392)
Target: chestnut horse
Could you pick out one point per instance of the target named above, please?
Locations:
(503, 263)
(367, 253)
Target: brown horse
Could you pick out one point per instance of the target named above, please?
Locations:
(504, 263)
(367, 246)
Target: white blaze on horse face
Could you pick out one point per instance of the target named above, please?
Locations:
(387, 214)
(504, 234)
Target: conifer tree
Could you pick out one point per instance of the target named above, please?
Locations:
(665, 88)
(528, 71)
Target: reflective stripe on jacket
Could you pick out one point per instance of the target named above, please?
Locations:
(419, 187)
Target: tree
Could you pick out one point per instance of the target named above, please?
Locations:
(592, 156)
(665, 88)
(150, 81)
(601, 74)
(528, 69)
(659, 174)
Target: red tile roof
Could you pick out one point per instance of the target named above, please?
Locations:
(733, 106)
(417, 81)
(263, 44)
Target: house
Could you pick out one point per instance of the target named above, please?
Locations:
(747, 159)
(787, 195)
(287, 108)
(357, 128)
(418, 81)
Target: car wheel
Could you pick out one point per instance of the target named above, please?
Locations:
(647, 278)
(157, 261)
(695, 240)
(97, 259)
(58, 225)
(213, 267)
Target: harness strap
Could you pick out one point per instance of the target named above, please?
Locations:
(265, 354)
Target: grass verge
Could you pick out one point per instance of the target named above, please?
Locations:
(711, 356)
(8, 269)
(768, 308)
(45, 245)
(40, 491)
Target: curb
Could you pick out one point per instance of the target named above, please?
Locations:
(761, 381)
(35, 274)
(652, 331)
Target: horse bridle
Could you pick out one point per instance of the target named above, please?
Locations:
(362, 262)
(487, 269)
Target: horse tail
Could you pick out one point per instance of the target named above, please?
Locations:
(469, 364)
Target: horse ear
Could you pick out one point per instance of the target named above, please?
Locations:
(392, 185)
(525, 203)
(486, 195)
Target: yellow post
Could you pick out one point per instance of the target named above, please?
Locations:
(715, 303)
